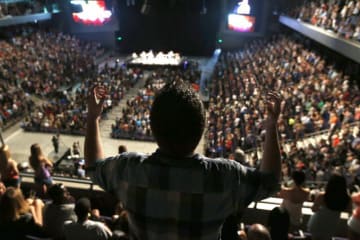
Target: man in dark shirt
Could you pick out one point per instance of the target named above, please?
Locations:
(175, 193)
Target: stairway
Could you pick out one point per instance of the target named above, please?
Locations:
(116, 111)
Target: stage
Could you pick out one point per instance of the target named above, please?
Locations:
(152, 59)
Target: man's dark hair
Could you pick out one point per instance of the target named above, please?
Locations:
(56, 193)
(298, 177)
(177, 118)
(121, 149)
(279, 223)
(82, 208)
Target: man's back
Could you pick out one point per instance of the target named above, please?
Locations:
(86, 230)
(187, 198)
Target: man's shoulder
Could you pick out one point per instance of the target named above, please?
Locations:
(220, 163)
(124, 159)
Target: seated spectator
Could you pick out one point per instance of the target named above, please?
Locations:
(122, 149)
(41, 166)
(279, 223)
(294, 197)
(354, 220)
(8, 168)
(327, 208)
(60, 210)
(85, 228)
(258, 232)
(17, 218)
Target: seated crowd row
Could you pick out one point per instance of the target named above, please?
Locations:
(49, 210)
(341, 17)
(57, 68)
(316, 96)
(10, 9)
(135, 120)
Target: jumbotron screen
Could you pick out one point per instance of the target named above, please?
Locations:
(244, 15)
(241, 23)
(92, 13)
(91, 16)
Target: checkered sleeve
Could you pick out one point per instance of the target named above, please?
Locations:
(106, 172)
(253, 185)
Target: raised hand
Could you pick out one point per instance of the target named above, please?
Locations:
(273, 103)
(97, 96)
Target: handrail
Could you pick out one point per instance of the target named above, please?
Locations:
(306, 137)
(65, 180)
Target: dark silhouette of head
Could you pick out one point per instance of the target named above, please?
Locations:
(336, 196)
(58, 193)
(177, 119)
(279, 223)
(121, 149)
(298, 177)
(258, 232)
(82, 209)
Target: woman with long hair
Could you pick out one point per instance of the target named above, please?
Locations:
(41, 166)
(327, 208)
(8, 168)
(18, 218)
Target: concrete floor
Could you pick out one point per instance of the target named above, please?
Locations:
(20, 141)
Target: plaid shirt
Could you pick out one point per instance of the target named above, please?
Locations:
(189, 198)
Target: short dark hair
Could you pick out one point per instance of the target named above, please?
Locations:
(299, 177)
(82, 208)
(56, 193)
(279, 223)
(177, 118)
(336, 196)
(122, 148)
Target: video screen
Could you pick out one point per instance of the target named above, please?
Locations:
(244, 16)
(90, 13)
(241, 23)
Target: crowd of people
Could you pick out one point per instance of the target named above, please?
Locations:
(58, 69)
(10, 9)
(342, 17)
(316, 96)
(65, 112)
(57, 216)
(34, 62)
(134, 122)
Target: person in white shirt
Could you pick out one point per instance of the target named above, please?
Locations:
(85, 228)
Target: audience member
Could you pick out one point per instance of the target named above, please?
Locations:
(258, 232)
(41, 166)
(279, 223)
(120, 222)
(60, 210)
(8, 168)
(294, 197)
(122, 149)
(354, 220)
(177, 122)
(327, 208)
(85, 228)
(135, 120)
(16, 217)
